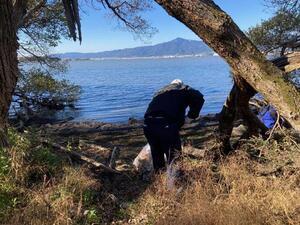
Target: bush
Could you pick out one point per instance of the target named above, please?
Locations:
(38, 89)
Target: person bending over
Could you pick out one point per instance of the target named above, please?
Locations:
(164, 118)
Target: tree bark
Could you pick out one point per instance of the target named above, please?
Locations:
(219, 31)
(226, 119)
(238, 103)
(8, 63)
(237, 107)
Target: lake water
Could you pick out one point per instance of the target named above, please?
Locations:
(114, 90)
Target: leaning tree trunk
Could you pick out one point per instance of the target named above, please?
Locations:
(237, 106)
(237, 102)
(219, 31)
(243, 94)
(8, 63)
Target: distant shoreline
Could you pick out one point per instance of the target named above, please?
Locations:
(143, 57)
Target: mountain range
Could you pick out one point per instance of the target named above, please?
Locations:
(175, 48)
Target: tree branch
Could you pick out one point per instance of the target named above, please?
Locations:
(81, 157)
(20, 7)
(31, 13)
(218, 30)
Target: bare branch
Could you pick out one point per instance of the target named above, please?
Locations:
(127, 12)
(45, 62)
(37, 44)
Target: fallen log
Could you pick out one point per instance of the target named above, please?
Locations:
(94, 147)
(194, 153)
(81, 157)
(288, 62)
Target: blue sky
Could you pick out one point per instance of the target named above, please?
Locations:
(100, 33)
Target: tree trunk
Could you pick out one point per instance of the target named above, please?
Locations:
(237, 107)
(8, 63)
(238, 103)
(226, 119)
(218, 30)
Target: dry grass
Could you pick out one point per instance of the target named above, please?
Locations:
(62, 202)
(42, 188)
(241, 189)
(39, 187)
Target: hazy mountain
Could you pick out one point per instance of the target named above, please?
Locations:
(176, 47)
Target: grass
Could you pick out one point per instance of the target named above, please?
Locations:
(61, 202)
(241, 189)
(39, 186)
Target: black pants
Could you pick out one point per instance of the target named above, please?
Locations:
(163, 138)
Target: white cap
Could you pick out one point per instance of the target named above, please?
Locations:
(177, 81)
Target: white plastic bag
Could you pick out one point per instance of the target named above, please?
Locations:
(143, 163)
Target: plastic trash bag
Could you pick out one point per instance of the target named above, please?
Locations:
(268, 116)
(172, 175)
(143, 163)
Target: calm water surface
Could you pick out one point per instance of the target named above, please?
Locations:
(114, 90)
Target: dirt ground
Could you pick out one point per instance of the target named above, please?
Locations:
(96, 140)
(126, 198)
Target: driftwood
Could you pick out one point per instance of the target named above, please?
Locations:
(288, 62)
(81, 157)
(194, 153)
(94, 147)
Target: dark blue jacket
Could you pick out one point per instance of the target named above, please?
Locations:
(171, 102)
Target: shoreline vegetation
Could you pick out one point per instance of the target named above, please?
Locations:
(257, 184)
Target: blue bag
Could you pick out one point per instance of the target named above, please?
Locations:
(268, 116)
